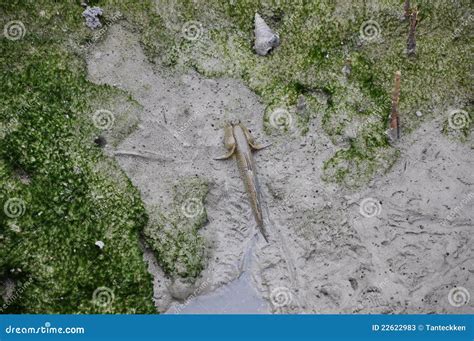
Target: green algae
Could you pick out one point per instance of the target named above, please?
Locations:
(73, 196)
(459, 124)
(317, 40)
(68, 195)
(173, 233)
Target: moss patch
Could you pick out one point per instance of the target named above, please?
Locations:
(173, 233)
(318, 40)
(59, 194)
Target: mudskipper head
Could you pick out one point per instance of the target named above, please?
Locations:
(234, 123)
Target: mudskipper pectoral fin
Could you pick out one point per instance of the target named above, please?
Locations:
(256, 146)
(226, 156)
(251, 140)
(229, 142)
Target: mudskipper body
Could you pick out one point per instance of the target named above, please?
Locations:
(239, 142)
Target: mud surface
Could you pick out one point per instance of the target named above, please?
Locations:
(398, 245)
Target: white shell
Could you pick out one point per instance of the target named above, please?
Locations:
(265, 38)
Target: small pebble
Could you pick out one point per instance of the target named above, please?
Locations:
(92, 14)
(419, 114)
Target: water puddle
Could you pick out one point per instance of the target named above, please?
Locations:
(236, 297)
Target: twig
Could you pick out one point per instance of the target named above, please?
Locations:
(153, 155)
(406, 8)
(411, 42)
